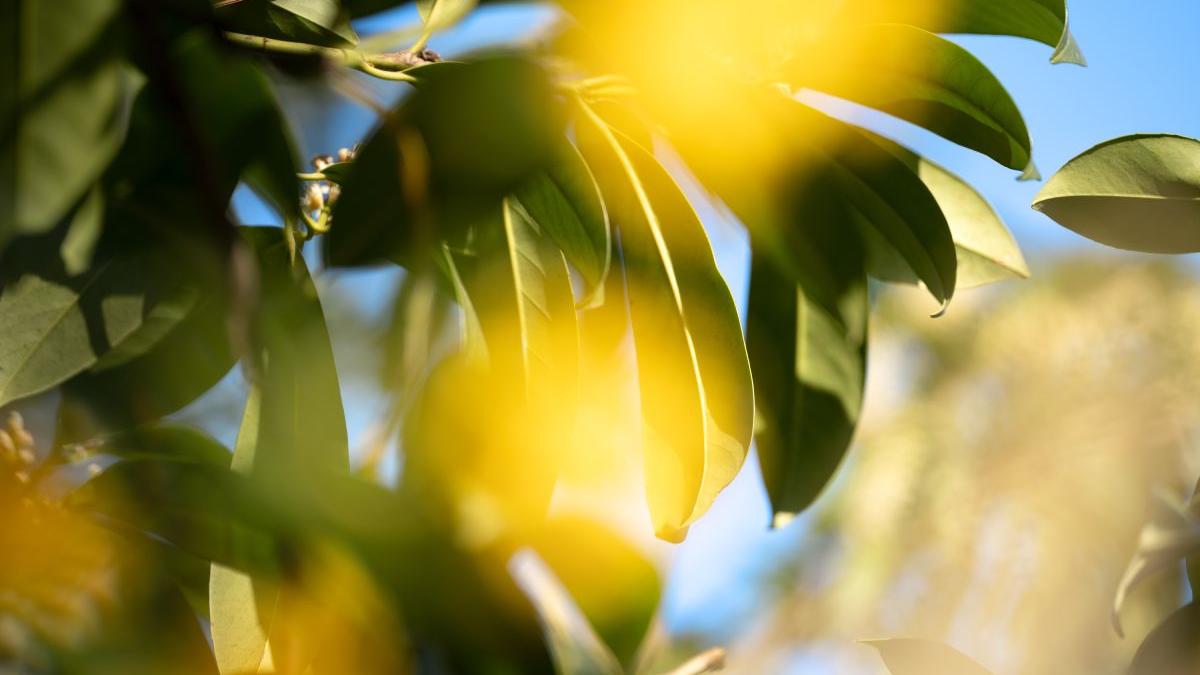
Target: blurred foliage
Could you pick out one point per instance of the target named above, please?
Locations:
(1009, 455)
(559, 312)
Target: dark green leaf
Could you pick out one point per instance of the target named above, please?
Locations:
(320, 22)
(985, 249)
(181, 351)
(1140, 193)
(471, 133)
(56, 325)
(694, 376)
(927, 80)
(166, 442)
(807, 343)
(62, 112)
(301, 425)
(890, 196)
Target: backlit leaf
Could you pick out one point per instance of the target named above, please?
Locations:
(1041, 20)
(693, 373)
(929, 81)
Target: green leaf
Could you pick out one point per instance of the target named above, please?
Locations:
(293, 426)
(165, 442)
(693, 373)
(180, 352)
(1139, 193)
(807, 344)
(929, 81)
(439, 14)
(520, 290)
(83, 233)
(985, 249)
(890, 196)
(1171, 648)
(56, 325)
(301, 426)
(1171, 536)
(60, 124)
(420, 313)
(566, 203)
(619, 605)
(1042, 20)
(573, 642)
(911, 656)
(239, 633)
(469, 135)
(320, 22)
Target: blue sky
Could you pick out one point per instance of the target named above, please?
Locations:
(1143, 75)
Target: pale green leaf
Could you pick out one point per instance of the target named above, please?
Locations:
(1140, 193)
(239, 636)
(911, 656)
(440, 14)
(1171, 536)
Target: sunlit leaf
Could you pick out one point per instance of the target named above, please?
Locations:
(697, 399)
(1171, 536)
(1140, 193)
(927, 80)
(1042, 20)
(439, 14)
(911, 656)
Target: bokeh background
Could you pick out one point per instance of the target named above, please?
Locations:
(1010, 450)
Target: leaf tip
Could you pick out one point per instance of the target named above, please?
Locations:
(671, 534)
(782, 519)
(941, 310)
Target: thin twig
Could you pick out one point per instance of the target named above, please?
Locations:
(705, 662)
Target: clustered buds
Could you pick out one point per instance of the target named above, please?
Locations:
(16, 447)
(320, 194)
